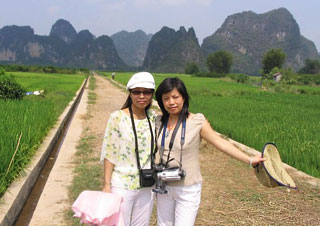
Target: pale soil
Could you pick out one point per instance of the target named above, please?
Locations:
(231, 195)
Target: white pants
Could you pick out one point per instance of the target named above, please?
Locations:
(180, 206)
(137, 205)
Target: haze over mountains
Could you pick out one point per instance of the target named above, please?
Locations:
(246, 35)
(132, 46)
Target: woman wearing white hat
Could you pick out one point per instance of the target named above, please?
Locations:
(126, 151)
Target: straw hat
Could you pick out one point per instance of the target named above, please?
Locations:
(271, 172)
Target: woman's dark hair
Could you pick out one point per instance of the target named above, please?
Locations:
(129, 102)
(167, 86)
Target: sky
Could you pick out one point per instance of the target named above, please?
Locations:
(106, 17)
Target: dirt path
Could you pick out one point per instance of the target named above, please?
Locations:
(54, 200)
(231, 194)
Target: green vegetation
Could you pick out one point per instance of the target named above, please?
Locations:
(311, 67)
(219, 62)
(253, 115)
(191, 69)
(9, 88)
(58, 88)
(240, 78)
(92, 96)
(25, 123)
(273, 58)
(43, 69)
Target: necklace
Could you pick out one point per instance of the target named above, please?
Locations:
(169, 128)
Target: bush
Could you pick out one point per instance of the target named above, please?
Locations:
(239, 78)
(10, 88)
(308, 79)
(220, 62)
(191, 69)
(50, 69)
(271, 59)
(2, 71)
(210, 74)
(311, 67)
(45, 69)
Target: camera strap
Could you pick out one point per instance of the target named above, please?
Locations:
(182, 140)
(136, 138)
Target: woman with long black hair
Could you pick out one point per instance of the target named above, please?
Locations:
(177, 159)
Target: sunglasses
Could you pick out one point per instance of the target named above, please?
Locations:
(138, 92)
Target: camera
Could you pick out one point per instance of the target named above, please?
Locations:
(163, 175)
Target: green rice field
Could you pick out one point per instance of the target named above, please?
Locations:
(25, 123)
(251, 116)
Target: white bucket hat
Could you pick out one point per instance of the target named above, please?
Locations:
(271, 172)
(142, 80)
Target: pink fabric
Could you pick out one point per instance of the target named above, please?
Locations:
(98, 208)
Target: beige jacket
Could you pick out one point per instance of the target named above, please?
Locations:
(190, 151)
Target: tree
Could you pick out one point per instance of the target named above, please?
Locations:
(2, 71)
(311, 67)
(191, 69)
(9, 87)
(220, 62)
(273, 58)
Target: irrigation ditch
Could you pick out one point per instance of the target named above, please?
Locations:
(20, 200)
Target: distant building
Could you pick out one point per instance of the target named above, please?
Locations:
(277, 77)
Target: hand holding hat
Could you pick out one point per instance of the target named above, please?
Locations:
(271, 172)
(254, 161)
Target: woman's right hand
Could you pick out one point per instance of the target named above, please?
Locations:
(108, 169)
(107, 188)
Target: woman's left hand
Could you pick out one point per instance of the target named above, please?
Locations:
(256, 160)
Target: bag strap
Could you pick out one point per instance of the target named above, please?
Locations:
(136, 138)
(182, 140)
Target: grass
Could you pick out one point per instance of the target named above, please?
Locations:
(252, 116)
(31, 118)
(58, 88)
(87, 173)
(92, 85)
